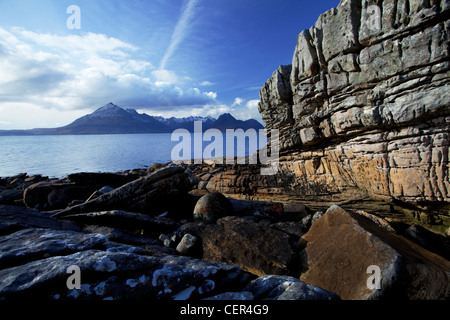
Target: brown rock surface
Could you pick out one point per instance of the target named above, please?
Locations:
(342, 246)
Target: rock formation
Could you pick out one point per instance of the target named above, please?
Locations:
(364, 108)
(363, 112)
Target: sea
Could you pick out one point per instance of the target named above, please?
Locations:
(59, 155)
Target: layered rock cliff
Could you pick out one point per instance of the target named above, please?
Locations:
(363, 112)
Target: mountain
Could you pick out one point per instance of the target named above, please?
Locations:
(187, 123)
(112, 119)
(227, 121)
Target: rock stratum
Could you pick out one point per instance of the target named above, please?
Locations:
(364, 109)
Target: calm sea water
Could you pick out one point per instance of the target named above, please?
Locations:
(58, 156)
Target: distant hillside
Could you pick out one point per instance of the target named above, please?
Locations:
(227, 121)
(111, 119)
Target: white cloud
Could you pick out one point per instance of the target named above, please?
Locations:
(165, 77)
(83, 72)
(206, 84)
(244, 111)
(238, 102)
(18, 115)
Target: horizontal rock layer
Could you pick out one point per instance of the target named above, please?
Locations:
(364, 109)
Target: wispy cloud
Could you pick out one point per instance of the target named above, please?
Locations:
(207, 84)
(180, 30)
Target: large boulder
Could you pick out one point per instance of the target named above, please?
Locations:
(345, 250)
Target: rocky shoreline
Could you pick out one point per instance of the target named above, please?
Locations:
(160, 234)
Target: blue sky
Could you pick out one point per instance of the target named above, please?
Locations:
(163, 57)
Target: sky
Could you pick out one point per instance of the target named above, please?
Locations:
(163, 57)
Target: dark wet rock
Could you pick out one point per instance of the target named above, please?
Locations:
(429, 240)
(10, 196)
(55, 194)
(100, 192)
(292, 228)
(151, 245)
(103, 179)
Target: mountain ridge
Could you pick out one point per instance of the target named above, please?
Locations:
(112, 119)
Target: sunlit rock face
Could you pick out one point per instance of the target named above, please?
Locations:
(364, 109)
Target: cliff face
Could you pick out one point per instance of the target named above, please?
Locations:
(364, 109)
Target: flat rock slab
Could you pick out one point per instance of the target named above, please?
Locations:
(50, 274)
(256, 248)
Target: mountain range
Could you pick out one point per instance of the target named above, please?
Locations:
(112, 119)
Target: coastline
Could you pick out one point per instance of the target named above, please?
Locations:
(149, 214)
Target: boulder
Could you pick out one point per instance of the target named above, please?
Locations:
(212, 207)
(344, 251)
(188, 245)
